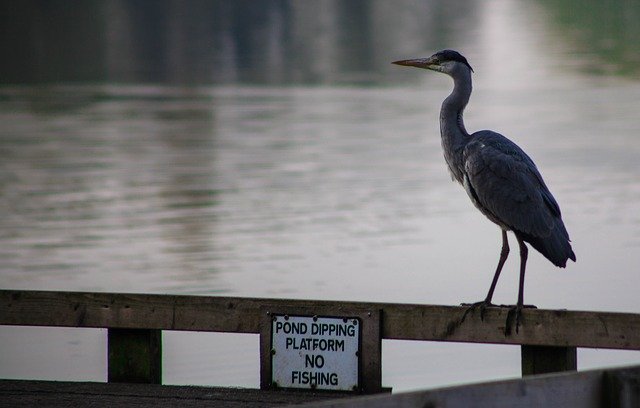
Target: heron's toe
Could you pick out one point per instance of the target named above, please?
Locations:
(471, 307)
(514, 318)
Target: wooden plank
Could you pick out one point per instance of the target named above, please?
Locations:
(548, 359)
(559, 328)
(622, 388)
(134, 356)
(59, 394)
(371, 359)
(266, 348)
(583, 389)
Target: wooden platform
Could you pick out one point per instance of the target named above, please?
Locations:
(612, 387)
(548, 338)
(22, 393)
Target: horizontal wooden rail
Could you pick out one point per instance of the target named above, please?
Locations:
(559, 328)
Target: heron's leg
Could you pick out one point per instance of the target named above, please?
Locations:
(504, 253)
(516, 312)
(524, 253)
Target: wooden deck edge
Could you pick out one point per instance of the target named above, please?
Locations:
(30, 393)
(611, 387)
(587, 389)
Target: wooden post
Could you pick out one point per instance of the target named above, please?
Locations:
(548, 359)
(135, 356)
(622, 388)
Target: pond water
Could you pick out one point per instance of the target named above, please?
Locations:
(317, 192)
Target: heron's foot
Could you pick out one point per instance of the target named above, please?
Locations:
(514, 316)
(471, 307)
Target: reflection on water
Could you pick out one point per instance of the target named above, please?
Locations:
(271, 41)
(286, 41)
(87, 187)
(230, 180)
(317, 192)
(606, 34)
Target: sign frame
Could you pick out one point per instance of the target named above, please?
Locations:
(369, 362)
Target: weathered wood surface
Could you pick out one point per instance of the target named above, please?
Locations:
(560, 328)
(587, 389)
(54, 394)
(622, 388)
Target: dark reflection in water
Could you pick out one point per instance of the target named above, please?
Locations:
(274, 41)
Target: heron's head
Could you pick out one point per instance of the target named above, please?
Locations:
(446, 61)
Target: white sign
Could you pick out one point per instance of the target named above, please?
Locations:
(315, 352)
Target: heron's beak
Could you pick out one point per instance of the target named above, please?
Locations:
(426, 63)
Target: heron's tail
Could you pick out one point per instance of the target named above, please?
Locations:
(556, 247)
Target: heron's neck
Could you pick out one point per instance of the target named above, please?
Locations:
(454, 135)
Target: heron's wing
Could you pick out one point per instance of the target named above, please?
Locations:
(507, 185)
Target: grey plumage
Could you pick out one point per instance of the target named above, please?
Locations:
(505, 185)
(500, 178)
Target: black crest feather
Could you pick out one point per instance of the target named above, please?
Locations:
(451, 55)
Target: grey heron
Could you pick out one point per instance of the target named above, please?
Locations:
(500, 178)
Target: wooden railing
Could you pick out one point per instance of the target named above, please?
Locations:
(549, 338)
